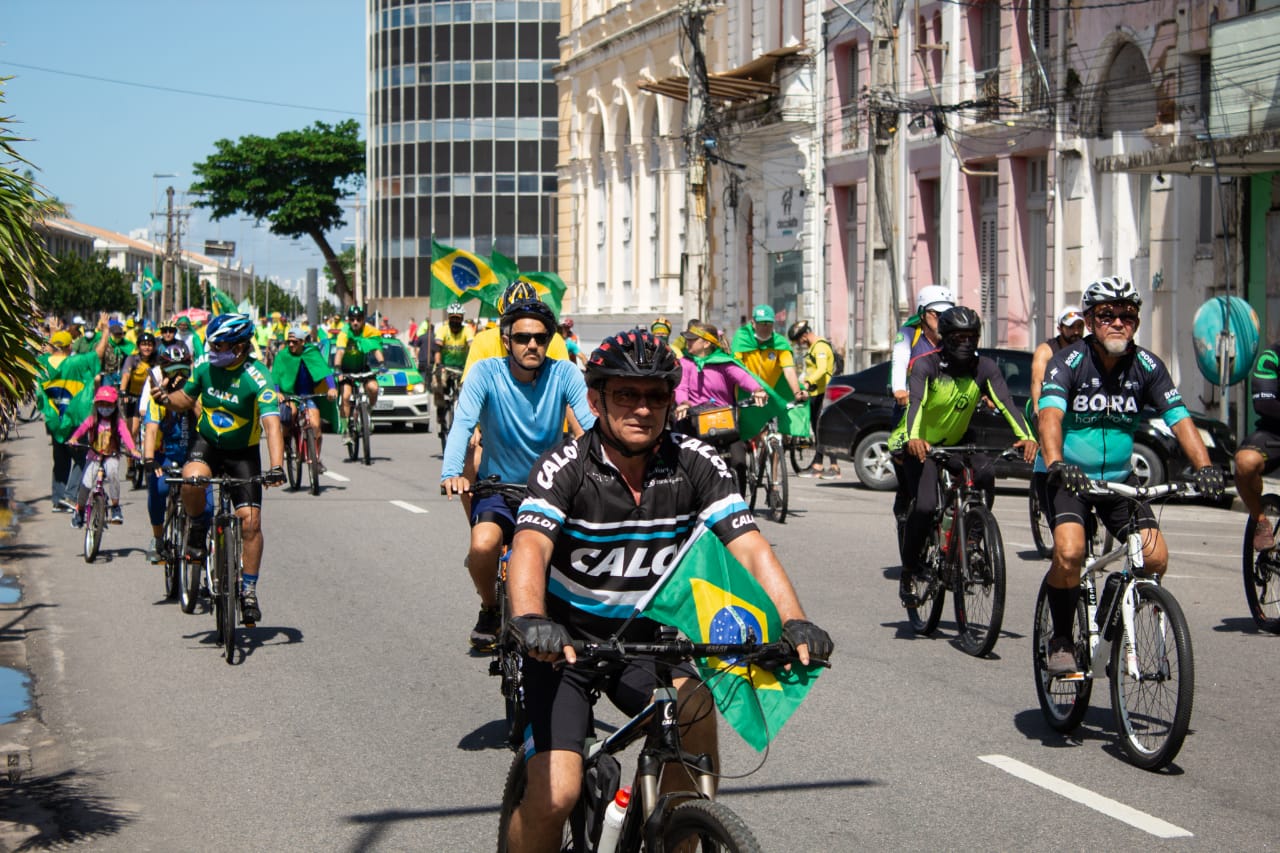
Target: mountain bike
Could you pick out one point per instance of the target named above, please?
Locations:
(1138, 629)
(448, 397)
(359, 425)
(181, 576)
(767, 471)
(653, 821)
(95, 516)
(1041, 527)
(301, 444)
(1262, 571)
(964, 553)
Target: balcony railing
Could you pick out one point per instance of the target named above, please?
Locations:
(1037, 91)
(988, 89)
(851, 127)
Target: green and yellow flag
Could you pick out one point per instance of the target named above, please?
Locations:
(792, 419)
(711, 598)
(550, 287)
(150, 284)
(458, 275)
(220, 302)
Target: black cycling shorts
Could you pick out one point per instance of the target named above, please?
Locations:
(1268, 444)
(1112, 510)
(558, 698)
(240, 464)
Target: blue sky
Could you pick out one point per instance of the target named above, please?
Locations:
(97, 143)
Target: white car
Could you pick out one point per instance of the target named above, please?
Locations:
(403, 395)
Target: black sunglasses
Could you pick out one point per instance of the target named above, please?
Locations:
(1106, 317)
(525, 338)
(629, 398)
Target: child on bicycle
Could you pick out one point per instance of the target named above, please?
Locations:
(107, 429)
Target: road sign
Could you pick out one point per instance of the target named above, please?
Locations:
(220, 248)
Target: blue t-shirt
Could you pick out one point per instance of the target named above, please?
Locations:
(519, 420)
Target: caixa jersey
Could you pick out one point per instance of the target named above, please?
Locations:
(608, 550)
(1101, 407)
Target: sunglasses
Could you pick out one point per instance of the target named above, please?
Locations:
(526, 338)
(628, 398)
(1106, 317)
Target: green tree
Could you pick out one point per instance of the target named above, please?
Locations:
(296, 181)
(23, 262)
(347, 259)
(79, 286)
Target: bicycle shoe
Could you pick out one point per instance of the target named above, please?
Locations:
(77, 518)
(115, 515)
(1061, 659)
(250, 613)
(485, 634)
(195, 543)
(907, 591)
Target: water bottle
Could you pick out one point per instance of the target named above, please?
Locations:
(614, 815)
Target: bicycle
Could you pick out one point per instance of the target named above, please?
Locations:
(975, 573)
(654, 821)
(359, 425)
(449, 396)
(802, 450)
(301, 444)
(1149, 659)
(95, 516)
(766, 470)
(137, 473)
(1262, 571)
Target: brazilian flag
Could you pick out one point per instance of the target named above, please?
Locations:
(711, 598)
(549, 286)
(458, 275)
(65, 393)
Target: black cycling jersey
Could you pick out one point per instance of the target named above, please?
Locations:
(610, 551)
(1265, 381)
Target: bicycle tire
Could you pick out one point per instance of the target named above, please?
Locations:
(930, 593)
(292, 459)
(230, 589)
(366, 427)
(172, 579)
(93, 527)
(1041, 532)
(802, 453)
(980, 583)
(1063, 703)
(513, 794)
(1262, 572)
(353, 433)
(753, 477)
(712, 823)
(313, 461)
(778, 493)
(1152, 714)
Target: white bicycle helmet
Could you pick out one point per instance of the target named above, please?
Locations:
(933, 296)
(1110, 289)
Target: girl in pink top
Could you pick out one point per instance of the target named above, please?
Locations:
(107, 431)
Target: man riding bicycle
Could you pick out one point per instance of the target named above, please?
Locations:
(300, 370)
(237, 402)
(1092, 393)
(944, 389)
(767, 353)
(1259, 453)
(356, 343)
(451, 343)
(604, 516)
(519, 403)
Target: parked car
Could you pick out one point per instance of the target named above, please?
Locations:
(857, 419)
(403, 396)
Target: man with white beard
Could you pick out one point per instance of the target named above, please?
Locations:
(1089, 403)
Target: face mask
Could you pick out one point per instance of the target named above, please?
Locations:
(106, 411)
(455, 326)
(962, 352)
(224, 359)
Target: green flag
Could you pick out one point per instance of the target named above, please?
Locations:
(711, 598)
(221, 302)
(458, 275)
(151, 284)
(550, 287)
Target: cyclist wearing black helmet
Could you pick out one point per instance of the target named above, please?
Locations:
(519, 402)
(133, 375)
(604, 517)
(488, 343)
(357, 343)
(1092, 393)
(943, 390)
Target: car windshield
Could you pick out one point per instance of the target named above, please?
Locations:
(396, 355)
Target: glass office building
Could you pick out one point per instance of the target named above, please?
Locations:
(462, 135)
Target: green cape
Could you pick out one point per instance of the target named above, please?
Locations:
(751, 420)
(65, 393)
(284, 372)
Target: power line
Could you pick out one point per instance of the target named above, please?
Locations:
(156, 88)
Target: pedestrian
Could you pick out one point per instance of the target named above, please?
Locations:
(65, 395)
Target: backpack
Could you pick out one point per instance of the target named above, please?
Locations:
(838, 370)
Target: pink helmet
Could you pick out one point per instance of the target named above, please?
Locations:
(106, 394)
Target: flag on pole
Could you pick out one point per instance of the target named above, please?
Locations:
(458, 275)
(550, 287)
(151, 284)
(711, 598)
(221, 302)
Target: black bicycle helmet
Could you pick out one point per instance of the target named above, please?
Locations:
(518, 291)
(959, 319)
(355, 312)
(638, 354)
(147, 338)
(531, 309)
(175, 353)
(798, 329)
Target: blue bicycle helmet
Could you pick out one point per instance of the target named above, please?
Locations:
(229, 329)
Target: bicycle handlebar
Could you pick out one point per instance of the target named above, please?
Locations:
(941, 454)
(216, 481)
(772, 655)
(1142, 493)
(485, 488)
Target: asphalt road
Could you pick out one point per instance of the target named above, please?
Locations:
(356, 719)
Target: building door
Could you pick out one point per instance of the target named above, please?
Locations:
(989, 259)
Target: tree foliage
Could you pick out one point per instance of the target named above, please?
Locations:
(23, 261)
(296, 181)
(79, 286)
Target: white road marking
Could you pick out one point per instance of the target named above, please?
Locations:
(1104, 805)
(338, 477)
(405, 505)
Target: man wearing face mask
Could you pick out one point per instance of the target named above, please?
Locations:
(451, 343)
(944, 389)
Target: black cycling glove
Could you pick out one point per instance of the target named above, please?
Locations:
(803, 632)
(1071, 477)
(274, 476)
(539, 634)
(1208, 481)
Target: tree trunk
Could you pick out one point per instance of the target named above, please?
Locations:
(340, 287)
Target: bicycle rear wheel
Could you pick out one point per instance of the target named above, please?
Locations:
(1153, 709)
(778, 492)
(802, 452)
(313, 461)
(1062, 701)
(1262, 572)
(712, 824)
(366, 427)
(1041, 532)
(930, 593)
(513, 794)
(292, 459)
(172, 559)
(353, 434)
(230, 589)
(980, 581)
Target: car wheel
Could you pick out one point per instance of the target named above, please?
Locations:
(1147, 465)
(873, 463)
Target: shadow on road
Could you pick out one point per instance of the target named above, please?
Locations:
(60, 810)
(1240, 625)
(378, 823)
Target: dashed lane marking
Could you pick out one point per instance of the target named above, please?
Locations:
(1104, 805)
(338, 477)
(405, 505)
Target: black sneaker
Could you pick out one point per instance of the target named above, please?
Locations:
(485, 634)
(907, 591)
(195, 543)
(77, 518)
(250, 613)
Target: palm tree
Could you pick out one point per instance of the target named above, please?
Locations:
(23, 260)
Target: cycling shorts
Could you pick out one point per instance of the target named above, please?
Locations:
(495, 509)
(1268, 444)
(241, 463)
(1112, 510)
(129, 405)
(558, 699)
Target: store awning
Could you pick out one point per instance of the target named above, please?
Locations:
(1251, 154)
(745, 83)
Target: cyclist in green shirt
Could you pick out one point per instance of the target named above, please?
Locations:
(944, 389)
(356, 343)
(238, 402)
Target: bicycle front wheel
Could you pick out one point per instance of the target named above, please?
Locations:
(1262, 572)
(94, 527)
(930, 594)
(366, 427)
(313, 462)
(292, 459)
(353, 435)
(230, 588)
(979, 583)
(802, 452)
(1063, 701)
(778, 493)
(1152, 703)
(711, 824)
(1041, 532)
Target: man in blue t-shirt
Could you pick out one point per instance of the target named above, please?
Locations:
(519, 402)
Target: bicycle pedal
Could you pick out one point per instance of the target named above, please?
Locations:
(1070, 676)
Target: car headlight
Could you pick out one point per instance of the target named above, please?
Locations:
(418, 388)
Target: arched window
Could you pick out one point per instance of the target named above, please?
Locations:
(1128, 100)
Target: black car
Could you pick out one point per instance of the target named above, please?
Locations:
(857, 419)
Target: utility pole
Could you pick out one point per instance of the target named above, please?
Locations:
(167, 277)
(880, 285)
(359, 294)
(695, 275)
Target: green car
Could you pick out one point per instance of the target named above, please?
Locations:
(403, 395)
